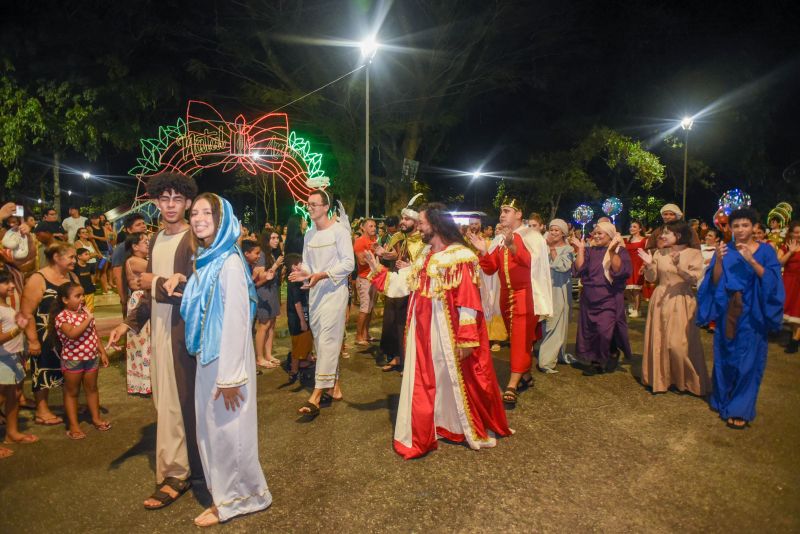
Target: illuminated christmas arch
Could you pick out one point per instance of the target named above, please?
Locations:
(205, 140)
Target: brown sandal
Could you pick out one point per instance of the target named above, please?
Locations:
(510, 396)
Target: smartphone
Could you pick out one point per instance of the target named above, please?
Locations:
(20, 211)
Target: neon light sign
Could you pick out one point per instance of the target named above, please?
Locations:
(204, 140)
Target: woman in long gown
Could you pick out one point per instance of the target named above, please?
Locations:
(673, 354)
(743, 293)
(789, 256)
(137, 346)
(554, 329)
(603, 268)
(218, 306)
(633, 286)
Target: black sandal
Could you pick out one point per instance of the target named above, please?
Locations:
(510, 396)
(164, 498)
(389, 367)
(525, 383)
(732, 424)
(293, 377)
(313, 410)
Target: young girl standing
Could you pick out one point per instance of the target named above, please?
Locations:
(633, 286)
(11, 370)
(80, 348)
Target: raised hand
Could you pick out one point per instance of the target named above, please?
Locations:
(7, 210)
(369, 257)
(646, 257)
(400, 264)
(477, 241)
(578, 243)
(278, 262)
(722, 249)
(793, 246)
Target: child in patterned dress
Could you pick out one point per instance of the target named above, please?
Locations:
(81, 355)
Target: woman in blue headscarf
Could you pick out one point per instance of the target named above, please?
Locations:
(218, 306)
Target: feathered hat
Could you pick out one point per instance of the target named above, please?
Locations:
(409, 210)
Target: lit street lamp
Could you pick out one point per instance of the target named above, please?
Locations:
(369, 47)
(686, 124)
(475, 176)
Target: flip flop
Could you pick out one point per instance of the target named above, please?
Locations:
(5, 453)
(103, 427)
(26, 438)
(53, 421)
(75, 435)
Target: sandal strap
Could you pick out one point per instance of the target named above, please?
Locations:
(177, 484)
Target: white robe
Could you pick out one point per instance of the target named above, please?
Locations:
(554, 329)
(228, 440)
(330, 251)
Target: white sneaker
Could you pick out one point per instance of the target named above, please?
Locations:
(634, 313)
(496, 347)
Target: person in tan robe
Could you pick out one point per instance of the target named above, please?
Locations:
(172, 369)
(673, 354)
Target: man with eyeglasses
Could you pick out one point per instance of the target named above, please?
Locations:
(327, 263)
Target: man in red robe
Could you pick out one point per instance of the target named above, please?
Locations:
(525, 289)
(449, 386)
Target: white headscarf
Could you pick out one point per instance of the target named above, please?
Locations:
(673, 208)
(561, 224)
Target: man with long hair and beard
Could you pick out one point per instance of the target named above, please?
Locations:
(449, 386)
(401, 250)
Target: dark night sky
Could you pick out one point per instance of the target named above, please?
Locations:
(633, 66)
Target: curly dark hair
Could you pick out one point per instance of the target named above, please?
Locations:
(171, 181)
(442, 223)
(743, 213)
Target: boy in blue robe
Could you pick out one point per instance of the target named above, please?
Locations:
(743, 292)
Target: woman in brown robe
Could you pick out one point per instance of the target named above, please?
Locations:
(673, 355)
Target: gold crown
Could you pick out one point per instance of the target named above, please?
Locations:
(512, 203)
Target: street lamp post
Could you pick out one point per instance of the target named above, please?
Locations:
(369, 47)
(475, 176)
(86, 177)
(686, 124)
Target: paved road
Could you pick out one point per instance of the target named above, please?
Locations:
(590, 454)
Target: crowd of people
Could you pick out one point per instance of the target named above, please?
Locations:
(200, 297)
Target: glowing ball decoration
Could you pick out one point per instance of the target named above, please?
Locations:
(582, 215)
(612, 206)
(734, 199)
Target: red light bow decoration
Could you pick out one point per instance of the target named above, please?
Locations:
(206, 140)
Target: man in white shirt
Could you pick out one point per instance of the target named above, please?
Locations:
(73, 223)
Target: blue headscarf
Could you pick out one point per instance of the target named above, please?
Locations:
(202, 307)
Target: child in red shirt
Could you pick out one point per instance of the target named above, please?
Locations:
(79, 348)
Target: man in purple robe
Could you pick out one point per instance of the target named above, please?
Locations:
(603, 267)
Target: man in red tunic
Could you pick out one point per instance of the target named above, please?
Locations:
(525, 292)
(449, 386)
